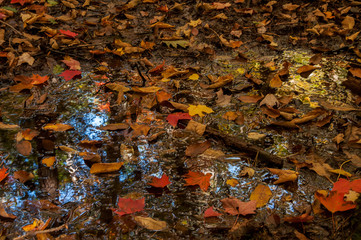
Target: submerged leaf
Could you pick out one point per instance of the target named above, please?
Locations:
(198, 178)
(150, 223)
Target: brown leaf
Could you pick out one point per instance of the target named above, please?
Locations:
(105, 167)
(24, 148)
(140, 129)
(250, 99)
(275, 82)
(197, 148)
(4, 214)
(196, 127)
(270, 100)
(4, 126)
(150, 223)
(235, 206)
(57, 127)
(23, 176)
(115, 126)
(356, 72)
(316, 59)
(261, 194)
(348, 23)
(343, 108)
(306, 70)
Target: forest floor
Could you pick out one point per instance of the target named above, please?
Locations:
(151, 119)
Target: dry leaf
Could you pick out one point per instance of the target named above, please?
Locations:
(284, 175)
(105, 167)
(150, 223)
(23, 176)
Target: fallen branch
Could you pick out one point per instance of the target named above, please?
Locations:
(256, 152)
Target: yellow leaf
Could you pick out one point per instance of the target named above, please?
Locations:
(49, 161)
(195, 23)
(32, 226)
(57, 127)
(232, 182)
(199, 109)
(194, 76)
(341, 172)
(261, 194)
(105, 167)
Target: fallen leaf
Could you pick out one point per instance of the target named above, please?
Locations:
(194, 76)
(173, 118)
(303, 218)
(230, 116)
(105, 167)
(57, 127)
(211, 213)
(163, 96)
(275, 82)
(261, 194)
(128, 206)
(23, 176)
(70, 74)
(160, 182)
(270, 100)
(284, 175)
(4, 214)
(198, 178)
(150, 223)
(348, 23)
(356, 72)
(199, 109)
(3, 173)
(344, 185)
(68, 33)
(36, 79)
(196, 127)
(334, 202)
(115, 126)
(341, 172)
(72, 63)
(29, 134)
(26, 58)
(140, 129)
(235, 206)
(49, 161)
(4, 126)
(197, 148)
(351, 196)
(68, 149)
(250, 99)
(232, 182)
(306, 70)
(24, 148)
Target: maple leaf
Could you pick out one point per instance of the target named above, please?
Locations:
(70, 74)
(72, 63)
(344, 185)
(37, 79)
(128, 206)
(334, 202)
(174, 117)
(68, 33)
(3, 173)
(235, 206)
(199, 109)
(211, 213)
(160, 182)
(22, 2)
(198, 178)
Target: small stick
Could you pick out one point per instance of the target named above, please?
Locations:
(14, 29)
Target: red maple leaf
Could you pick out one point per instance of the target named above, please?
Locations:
(344, 185)
(70, 74)
(68, 33)
(334, 202)
(174, 117)
(37, 79)
(235, 206)
(160, 182)
(211, 213)
(128, 206)
(22, 2)
(303, 218)
(198, 178)
(157, 69)
(3, 173)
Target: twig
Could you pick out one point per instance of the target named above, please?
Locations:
(14, 29)
(32, 233)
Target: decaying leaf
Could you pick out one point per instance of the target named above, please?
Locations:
(196, 127)
(4, 214)
(4, 126)
(24, 147)
(115, 126)
(150, 223)
(235, 206)
(48, 161)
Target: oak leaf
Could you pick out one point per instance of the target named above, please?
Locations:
(334, 202)
(128, 206)
(235, 206)
(199, 109)
(160, 182)
(198, 178)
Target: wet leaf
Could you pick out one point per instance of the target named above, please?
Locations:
(70, 74)
(199, 109)
(261, 194)
(49, 161)
(29, 134)
(4, 214)
(4, 126)
(115, 126)
(72, 63)
(57, 127)
(235, 206)
(232, 182)
(284, 175)
(230, 116)
(211, 213)
(173, 118)
(3, 173)
(351, 196)
(196, 127)
(163, 96)
(68, 149)
(306, 70)
(150, 223)
(129, 206)
(24, 148)
(194, 76)
(68, 33)
(23, 176)
(303, 218)
(198, 178)
(197, 148)
(334, 202)
(140, 129)
(152, 89)
(105, 167)
(160, 182)
(37, 225)
(355, 72)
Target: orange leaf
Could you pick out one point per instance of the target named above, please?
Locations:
(72, 63)
(284, 175)
(160, 182)
(57, 127)
(37, 79)
(334, 202)
(211, 213)
(128, 206)
(303, 218)
(105, 167)
(261, 195)
(3, 173)
(198, 178)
